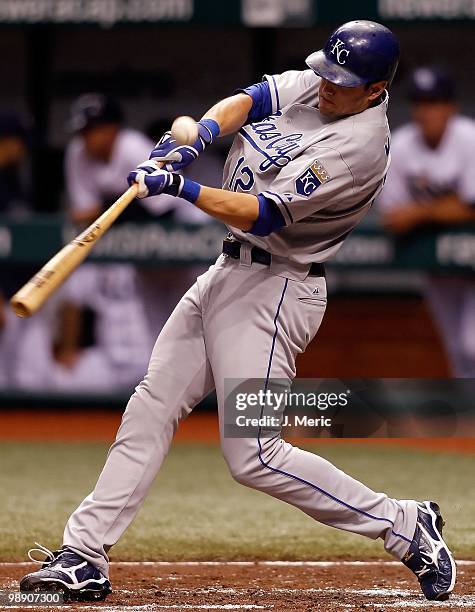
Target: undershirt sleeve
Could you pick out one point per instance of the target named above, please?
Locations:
(270, 218)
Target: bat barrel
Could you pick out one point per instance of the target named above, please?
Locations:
(37, 290)
(20, 308)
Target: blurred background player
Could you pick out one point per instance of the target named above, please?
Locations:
(96, 156)
(431, 182)
(103, 302)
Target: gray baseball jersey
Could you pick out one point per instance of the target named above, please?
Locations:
(323, 175)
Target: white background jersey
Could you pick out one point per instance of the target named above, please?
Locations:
(91, 183)
(322, 174)
(420, 173)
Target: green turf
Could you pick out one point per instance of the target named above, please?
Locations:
(196, 511)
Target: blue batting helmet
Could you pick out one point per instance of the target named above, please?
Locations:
(358, 52)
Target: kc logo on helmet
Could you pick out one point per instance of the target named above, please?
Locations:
(339, 50)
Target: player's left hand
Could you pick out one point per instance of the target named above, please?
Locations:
(151, 179)
(175, 156)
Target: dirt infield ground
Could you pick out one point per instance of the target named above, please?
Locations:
(276, 586)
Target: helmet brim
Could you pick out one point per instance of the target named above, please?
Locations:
(339, 75)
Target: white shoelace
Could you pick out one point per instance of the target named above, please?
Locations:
(49, 555)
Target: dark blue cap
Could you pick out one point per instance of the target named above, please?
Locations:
(358, 52)
(93, 109)
(431, 84)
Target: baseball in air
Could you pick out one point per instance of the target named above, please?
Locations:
(184, 130)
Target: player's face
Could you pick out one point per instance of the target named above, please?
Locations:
(336, 101)
(432, 118)
(99, 140)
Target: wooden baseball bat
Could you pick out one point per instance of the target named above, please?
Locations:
(37, 290)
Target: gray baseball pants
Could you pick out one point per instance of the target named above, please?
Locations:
(239, 320)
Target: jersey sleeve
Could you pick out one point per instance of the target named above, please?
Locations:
(290, 86)
(276, 91)
(304, 186)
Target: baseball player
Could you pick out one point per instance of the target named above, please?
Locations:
(310, 154)
(431, 182)
(100, 152)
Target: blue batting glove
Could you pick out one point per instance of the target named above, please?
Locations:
(177, 157)
(150, 179)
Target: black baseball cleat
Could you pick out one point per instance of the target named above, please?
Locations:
(429, 556)
(66, 572)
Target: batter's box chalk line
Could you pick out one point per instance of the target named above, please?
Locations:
(462, 563)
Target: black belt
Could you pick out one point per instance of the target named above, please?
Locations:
(232, 248)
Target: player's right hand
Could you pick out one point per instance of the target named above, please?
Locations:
(175, 156)
(151, 179)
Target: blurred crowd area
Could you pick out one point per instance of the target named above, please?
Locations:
(83, 106)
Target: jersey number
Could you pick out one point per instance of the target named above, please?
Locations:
(245, 180)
